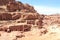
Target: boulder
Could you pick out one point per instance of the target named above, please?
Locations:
(31, 22)
(43, 31)
(20, 27)
(39, 23)
(5, 16)
(16, 16)
(31, 16)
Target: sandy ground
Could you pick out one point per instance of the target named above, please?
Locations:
(34, 34)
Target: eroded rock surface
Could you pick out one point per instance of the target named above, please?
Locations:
(20, 21)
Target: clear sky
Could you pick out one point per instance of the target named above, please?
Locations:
(44, 6)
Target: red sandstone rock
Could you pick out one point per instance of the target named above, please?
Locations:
(20, 27)
(39, 23)
(12, 7)
(4, 2)
(31, 16)
(16, 16)
(22, 21)
(2, 9)
(5, 16)
(29, 8)
(31, 22)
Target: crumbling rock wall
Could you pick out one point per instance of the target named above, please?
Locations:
(23, 27)
(5, 16)
(19, 18)
(19, 13)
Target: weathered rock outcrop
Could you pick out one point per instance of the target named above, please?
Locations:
(51, 20)
(23, 27)
(4, 2)
(29, 8)
(14, 6)
(16, 16)
(31, 16)
(18, 6)
(19, 18)
(5, 16)
(18, 13)
(31, 22)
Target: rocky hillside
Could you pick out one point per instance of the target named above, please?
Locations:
(18, 14)
(20, 21)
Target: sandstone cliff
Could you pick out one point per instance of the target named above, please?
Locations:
(16, 16)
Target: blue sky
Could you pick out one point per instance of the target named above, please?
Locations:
(44, 6)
